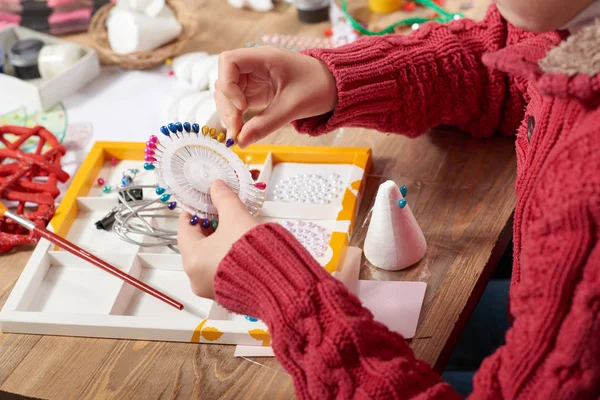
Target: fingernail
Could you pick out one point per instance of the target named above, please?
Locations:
(219, 184)
(237, 104)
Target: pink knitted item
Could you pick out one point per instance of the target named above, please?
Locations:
(9, 18)
(481, 77)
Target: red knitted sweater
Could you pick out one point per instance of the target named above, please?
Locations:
(482, 77)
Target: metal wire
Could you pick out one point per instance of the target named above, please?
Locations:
(133, 220)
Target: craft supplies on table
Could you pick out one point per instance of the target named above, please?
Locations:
(59, 294)
(65, 77)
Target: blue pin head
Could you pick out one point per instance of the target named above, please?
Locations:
(187, 127)
(403, 190)
(165, 131)
(149, 166)
(165, 197)
(196, 128)
(172, 127)
(160, 190)
(179, 126)
(402, 203)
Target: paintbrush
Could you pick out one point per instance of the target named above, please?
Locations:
(70, 247)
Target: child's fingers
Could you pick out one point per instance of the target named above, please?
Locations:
(229, 114)
(234, 63)
(187, 234)
(228, 203)
(276, 115)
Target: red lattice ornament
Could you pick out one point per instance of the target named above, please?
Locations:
(29, 179)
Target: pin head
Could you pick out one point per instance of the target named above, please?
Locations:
(149, 158)
(196, 128)
(179, 126)
(172, 127)
(187, 127)
(260, 185)
(172, 205)
(164, 130)
(229, 142)
(165, 197)
(154, 139)
(150, 145)
(194, 220)
(205, 223)
(402, 203)
(403, 190)
(149, 167)
(149, 151)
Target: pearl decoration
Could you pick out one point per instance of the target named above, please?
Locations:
(312, 237)
(309, 189)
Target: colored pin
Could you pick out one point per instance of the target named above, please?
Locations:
(402, 203)
(172, 127)
(159, 190)
(149, 152)
(149, 158)
(149, 167)
(403, 190)
(260, 185)
(205, 223)
(165, 197)
(164, 130)
(194, 220)
(172, 205)
(179, 126)
(187, 127)
(229, 142)
(196, 128)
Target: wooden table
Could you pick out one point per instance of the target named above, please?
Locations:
(460, 190)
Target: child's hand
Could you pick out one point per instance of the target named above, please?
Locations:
(285, 85)
(202, 254)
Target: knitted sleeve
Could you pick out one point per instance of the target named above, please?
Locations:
(435, 76)
(552, 350)
(321, 334)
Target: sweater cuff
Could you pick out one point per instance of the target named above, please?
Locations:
(266, 272)
(366, 82)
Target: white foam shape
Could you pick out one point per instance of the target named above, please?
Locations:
(207, 114)
(170, 103)
(236, 3)
(200, 70)
(394, 239)
(183, 64)
(151, 8)
(213, 75)
(261, 5)
(189, 104)
(130, 31)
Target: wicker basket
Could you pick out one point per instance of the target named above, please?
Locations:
(141, 59)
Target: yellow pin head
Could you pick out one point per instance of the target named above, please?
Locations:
(205, 130)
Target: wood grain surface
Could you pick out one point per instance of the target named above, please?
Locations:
(460, 190)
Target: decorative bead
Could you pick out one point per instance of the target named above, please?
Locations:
(100, 181)
(196, 128)
(403, 190)
(402, 203)
(251, 319)
(179, 126)
(172, 205)
(149, 158)
(230, 142)
(213, 133)
(220, 137)
(172, 127)
(214, 223)
(160, 190)
(194, 220)
(150, 145)
(255, 174)
(113, 161)
(106, 189)
(165, 197)
(164, 130)
(148, 151)
(205, 130)
(153, 139)
(187, 127)
(260, 185)
(205, 223)
(126, 180)
(149, 167)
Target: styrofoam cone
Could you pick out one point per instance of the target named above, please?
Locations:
(206, 114)
(182, 65)
(130, 31)
(189, 104)
(200, 70)
(236, 3)
(213, 75)
(394, 239)
(170, 103)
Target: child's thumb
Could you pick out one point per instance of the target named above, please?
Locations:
(225, 199)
